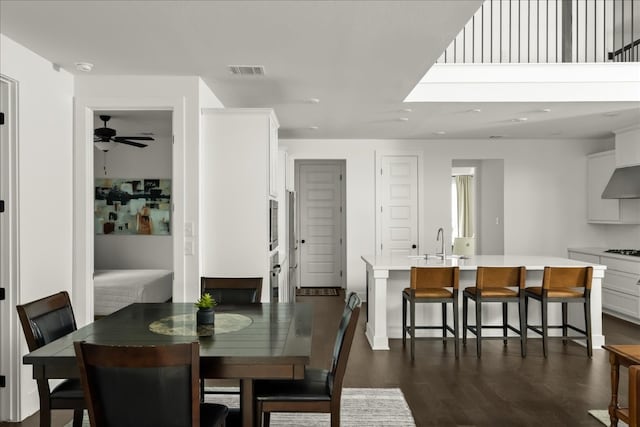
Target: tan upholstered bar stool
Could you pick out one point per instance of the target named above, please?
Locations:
(564, 285)
(496, 284)
(431, 285)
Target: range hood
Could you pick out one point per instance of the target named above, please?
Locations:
(624, 184)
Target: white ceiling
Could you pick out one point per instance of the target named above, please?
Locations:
(359, 58)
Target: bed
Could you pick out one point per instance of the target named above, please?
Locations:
(115, 289)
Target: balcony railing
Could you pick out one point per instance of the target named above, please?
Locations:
(546, 31)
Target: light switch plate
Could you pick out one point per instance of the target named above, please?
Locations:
(188, 247)
(188, 229)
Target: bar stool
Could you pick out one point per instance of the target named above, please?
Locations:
(496, 284)
(564, 285)
(429, 285)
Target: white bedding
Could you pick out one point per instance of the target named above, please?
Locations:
(115, 289)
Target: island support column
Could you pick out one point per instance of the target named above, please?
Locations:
(377, 308)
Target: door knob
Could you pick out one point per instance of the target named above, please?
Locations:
(302, 241)
(414, 246)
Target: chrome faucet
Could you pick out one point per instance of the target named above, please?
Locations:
(440, 235)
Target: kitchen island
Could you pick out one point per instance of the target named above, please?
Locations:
(387, 276)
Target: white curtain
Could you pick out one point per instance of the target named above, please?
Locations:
(464, 188)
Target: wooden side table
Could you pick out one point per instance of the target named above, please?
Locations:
(620, 355)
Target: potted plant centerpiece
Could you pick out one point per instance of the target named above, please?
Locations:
(205, 316)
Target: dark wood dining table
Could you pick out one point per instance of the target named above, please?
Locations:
(620, 355)
(250, 342)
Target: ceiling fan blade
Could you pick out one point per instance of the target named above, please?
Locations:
(136, 138)
(135, 144)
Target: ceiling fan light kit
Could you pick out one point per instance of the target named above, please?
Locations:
(105, 138)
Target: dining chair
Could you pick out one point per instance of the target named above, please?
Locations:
(496, 284)
(431, 285)
(232, 290)
(321, 389)
(564, 285)
(145, 386)
(43, 321)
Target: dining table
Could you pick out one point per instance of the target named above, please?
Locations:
(249, 342)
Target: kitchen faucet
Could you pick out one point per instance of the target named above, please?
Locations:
(440, 235)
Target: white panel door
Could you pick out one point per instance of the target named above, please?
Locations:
(398, 205)
(320, 200)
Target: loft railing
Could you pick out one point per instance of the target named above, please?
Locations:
(546, 31)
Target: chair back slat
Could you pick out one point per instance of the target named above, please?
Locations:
(501, 277)
(567, 277)
(141, 385)
(233, 290)
(434, 277)
(46, 319)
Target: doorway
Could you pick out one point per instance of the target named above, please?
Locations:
(132, 207)
(321, 207)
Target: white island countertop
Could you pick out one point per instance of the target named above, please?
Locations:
(388, 275)
(532, 262)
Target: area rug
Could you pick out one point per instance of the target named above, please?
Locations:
(602, 415)
(317, 292)
(371, 407)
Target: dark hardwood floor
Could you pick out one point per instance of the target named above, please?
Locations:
(501, 389)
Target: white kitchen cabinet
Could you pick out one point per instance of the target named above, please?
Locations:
(600, 167)
(236, 164)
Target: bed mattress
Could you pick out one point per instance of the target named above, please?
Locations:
(116, 289)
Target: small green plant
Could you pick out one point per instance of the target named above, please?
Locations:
(206, 301)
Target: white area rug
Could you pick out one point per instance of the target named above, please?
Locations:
(371, 407)
(602, 415)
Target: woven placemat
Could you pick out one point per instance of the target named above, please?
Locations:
(315, 292)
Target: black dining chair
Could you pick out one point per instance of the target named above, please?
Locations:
(145, 386)
(232, 290)
(321, 389)
(43, 321)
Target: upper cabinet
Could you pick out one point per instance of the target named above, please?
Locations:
(600, 167)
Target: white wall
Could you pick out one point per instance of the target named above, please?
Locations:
(544, 191)
(133, 251)
(184, 94)
(45, 172)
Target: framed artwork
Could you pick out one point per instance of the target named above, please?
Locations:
(132, 206)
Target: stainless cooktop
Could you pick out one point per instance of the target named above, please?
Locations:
(630, 252)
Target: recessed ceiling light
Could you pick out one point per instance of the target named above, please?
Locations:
(314, 127)
(520, 119)
(476, 110)
(406, 110)
(313, 100)
(84, 66)
(403, 119)
(546, 110)
(611, 114)
(496, 136)
(439, 132)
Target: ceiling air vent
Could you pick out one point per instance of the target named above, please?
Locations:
(247, 70)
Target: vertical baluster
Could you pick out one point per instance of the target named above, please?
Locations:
(557, 1)
(538, 31)
(482, 33)
(595, 31)
(519, 29)
(491, 31)
(577, 37)
(632, 38)
(546, 30)
(528, 31)
(622, 34)
(500, 50)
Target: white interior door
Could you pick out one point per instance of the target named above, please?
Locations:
(320, 195)
(398, 205)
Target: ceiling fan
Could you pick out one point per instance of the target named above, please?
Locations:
(105, 138)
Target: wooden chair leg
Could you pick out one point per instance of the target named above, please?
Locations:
(456, 326)
(267, 419)
(523, 327)
(404, 321)
(587, 325)
(444, 323)
(504, 323)
(78, 414)
(545, 328)
(412, 331)
(564, 323)
(335, 416)
(465, 315)
(478, 327)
